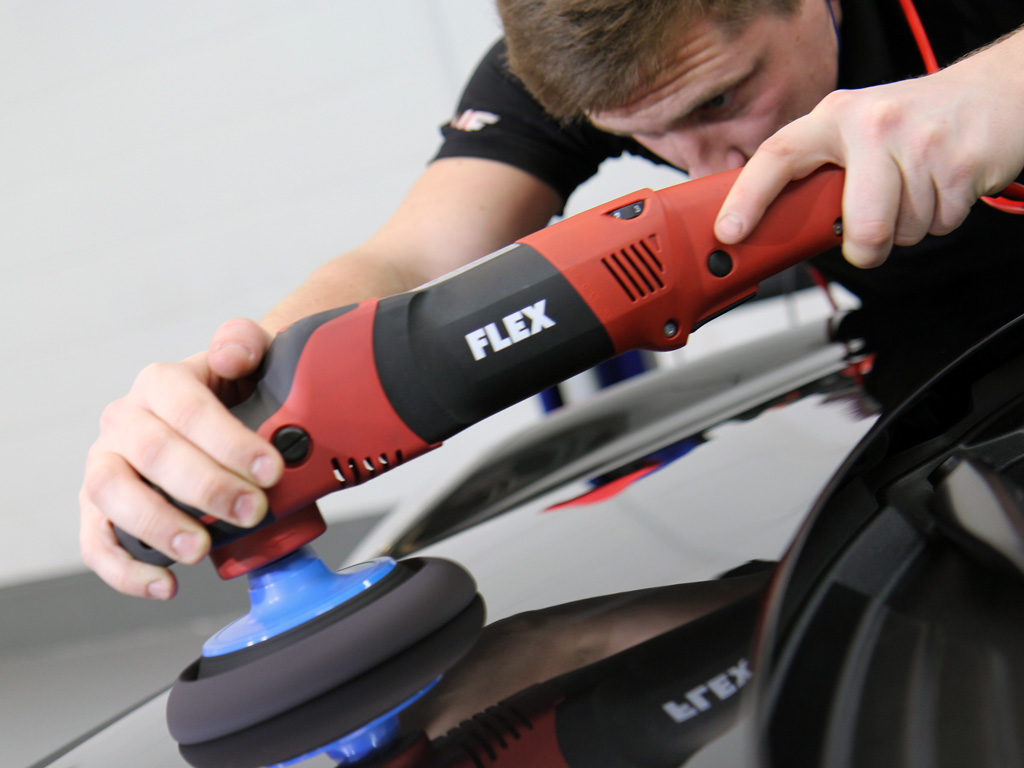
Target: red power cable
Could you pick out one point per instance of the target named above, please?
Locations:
(1011, 199)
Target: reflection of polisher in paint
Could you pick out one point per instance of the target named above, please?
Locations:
(703, 698)
(611, 713)
(348, 394)
(610, 485)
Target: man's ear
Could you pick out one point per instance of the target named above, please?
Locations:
(837, 12)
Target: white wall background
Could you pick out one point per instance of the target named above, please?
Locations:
(166, 165)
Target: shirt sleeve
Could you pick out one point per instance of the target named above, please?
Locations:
(497, 119)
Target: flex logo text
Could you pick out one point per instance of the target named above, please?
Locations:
(705, 696)
(518, 326)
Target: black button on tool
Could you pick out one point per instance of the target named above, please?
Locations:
(293, 444)
(630, 211)
(719, 263)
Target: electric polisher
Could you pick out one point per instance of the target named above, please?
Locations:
(325, 661)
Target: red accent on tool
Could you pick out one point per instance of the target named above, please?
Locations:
(274, 541)
(358, 433)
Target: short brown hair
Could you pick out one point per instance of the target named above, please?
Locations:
(580, 56)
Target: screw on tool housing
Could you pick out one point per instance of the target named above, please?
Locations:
(293, 443)
(719, 263)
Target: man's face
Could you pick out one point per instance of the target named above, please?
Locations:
(722, 95)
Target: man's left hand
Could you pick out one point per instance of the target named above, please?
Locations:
(917, 153)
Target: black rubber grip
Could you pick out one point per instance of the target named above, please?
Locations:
(140, 550)
(276, 373)
(459, 350)
(220, 533)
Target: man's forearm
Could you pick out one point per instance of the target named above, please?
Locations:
(998, 69)
(1000, 62)
(459, 209)
(354, 276)
(1010, 44)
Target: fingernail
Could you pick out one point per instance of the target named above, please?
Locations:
(730, 225)
(234, 346)
(185, 546)
(263, 470)
(159, 589)
(245, 509)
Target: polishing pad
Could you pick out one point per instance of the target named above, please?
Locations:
(323, 724)
(311, 634)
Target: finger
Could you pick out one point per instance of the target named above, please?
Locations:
(951, 209)
(194, 413)
(871, 203)
(792, 153)
(104, 556)
(113, 489)
(916, 209)
(167, 457)
(237, 348)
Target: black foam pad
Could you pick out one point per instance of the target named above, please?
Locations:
(212, 701)
(345, 709)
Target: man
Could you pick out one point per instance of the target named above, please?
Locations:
(699, 85)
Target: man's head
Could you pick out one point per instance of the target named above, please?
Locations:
(699, 82)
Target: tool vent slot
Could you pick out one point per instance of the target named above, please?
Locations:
(488, 734)
(353, 471)
(637, 270)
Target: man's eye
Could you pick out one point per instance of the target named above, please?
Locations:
(719, 101)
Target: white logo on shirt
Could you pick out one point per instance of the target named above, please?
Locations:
(473, 120)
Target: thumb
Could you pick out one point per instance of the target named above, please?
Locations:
(237, 348)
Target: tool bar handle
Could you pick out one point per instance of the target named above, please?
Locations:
(803, 221)
(652, 270)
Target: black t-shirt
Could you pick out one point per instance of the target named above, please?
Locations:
(927, 302)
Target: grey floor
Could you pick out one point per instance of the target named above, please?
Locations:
(73, 653)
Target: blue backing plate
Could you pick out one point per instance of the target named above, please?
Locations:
(289, 592)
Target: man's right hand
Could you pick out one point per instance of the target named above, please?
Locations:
(173, 428)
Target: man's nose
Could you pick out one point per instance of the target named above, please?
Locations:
(715, 161)
(701, 152)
